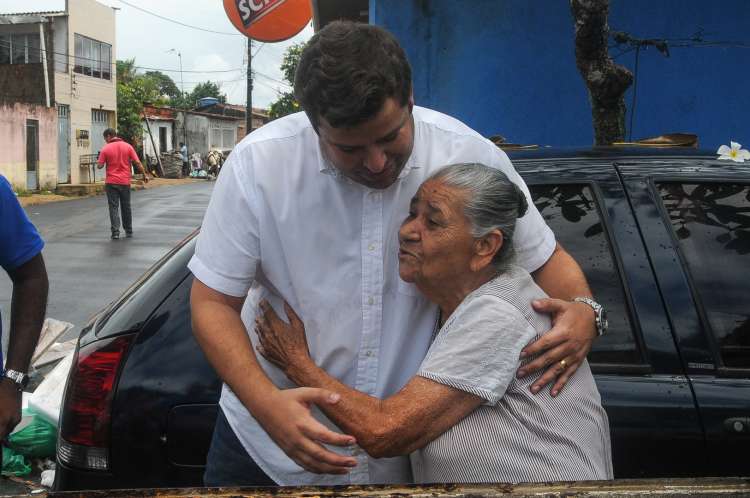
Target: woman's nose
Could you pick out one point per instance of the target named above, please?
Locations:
(407, 231)
(375, 159)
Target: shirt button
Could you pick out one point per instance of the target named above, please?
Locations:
(368, 353)
(371, 301)
(371, 247)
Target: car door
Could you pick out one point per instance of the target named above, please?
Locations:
(653, 419)
(695, 216)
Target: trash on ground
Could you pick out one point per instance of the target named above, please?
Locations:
(51, 331)
(47, 398)
(48, 478)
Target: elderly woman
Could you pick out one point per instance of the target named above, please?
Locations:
(465, 417)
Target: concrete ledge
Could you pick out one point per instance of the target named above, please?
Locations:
(80, 190)
(667, 488)
(87, 189)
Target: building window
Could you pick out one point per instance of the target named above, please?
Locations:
(92, 58)
(572, 212)
(222, 136)
(20, 48)
(711, 224)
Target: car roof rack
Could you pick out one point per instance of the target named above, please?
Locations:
(666, 140)
(500, 141)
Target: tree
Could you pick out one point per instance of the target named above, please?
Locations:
(133, 92)
(166, 85)
(207, 89)
(286, 103)
(605, 80)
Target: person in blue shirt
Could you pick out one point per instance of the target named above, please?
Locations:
(21, 257)
(184, 157)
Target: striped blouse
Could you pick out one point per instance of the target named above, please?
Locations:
(514, 436)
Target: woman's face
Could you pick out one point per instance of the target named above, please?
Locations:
(436, 246)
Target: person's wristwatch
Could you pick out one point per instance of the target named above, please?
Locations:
(599, 312)
(20, 379)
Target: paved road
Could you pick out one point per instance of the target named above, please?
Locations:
(86, 269)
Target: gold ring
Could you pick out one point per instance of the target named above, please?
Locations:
(563, 364)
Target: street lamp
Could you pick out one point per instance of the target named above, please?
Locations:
(182, 92)
(182, 83)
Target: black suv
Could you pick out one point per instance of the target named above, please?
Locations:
(663, 236)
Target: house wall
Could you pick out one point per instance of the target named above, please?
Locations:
(13, 152)
(508, 66)
(199, 131)
(21, 83)
(155, 124)
(86, 93)
(25, 82)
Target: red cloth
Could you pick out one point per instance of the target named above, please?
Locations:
(117, 155)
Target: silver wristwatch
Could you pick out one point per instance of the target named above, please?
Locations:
(19, 378)
(599, 312)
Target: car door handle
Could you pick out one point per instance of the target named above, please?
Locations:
(737, 425)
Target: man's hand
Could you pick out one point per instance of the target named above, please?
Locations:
(289, 423)
(10, 407)
(564, 347)
(285, 415)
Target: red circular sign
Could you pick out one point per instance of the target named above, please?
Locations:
(269, 20)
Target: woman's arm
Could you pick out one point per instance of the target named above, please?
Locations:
(398, 425)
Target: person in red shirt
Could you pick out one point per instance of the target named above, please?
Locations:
(117, 155)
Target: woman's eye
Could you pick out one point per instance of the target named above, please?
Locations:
(432, 222)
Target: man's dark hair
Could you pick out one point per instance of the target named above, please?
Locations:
(347, 71)
(109, 132)
(182, 143)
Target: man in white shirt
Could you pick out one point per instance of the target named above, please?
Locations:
(307, 211)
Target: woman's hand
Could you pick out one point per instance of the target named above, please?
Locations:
(283, 344)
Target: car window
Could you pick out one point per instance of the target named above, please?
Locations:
(571, 212)
(711, 222)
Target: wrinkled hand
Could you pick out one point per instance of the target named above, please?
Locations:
(570, 339)
(283, 344)
(290, 424)
(145, 178)
(10, 407)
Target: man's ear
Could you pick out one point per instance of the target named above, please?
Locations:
(485, 250)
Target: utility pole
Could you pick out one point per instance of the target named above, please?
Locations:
(182, 94)
(184, 112)
(249, 107)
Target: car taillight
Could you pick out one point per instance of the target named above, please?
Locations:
(85, 415)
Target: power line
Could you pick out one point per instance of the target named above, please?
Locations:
(178, 22)
(70, 56)
(274, 79)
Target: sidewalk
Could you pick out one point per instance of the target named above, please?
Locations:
(34, 199)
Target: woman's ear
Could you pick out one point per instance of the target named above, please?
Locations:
(485, 250)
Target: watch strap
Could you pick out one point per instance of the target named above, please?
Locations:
(598, 313)
(19, 378)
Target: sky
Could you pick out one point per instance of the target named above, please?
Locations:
(149, 40)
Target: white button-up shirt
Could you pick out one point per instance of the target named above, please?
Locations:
(285, 224)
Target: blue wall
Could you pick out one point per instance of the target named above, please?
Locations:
(508, 66)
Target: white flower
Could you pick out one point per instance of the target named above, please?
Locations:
(735, 153)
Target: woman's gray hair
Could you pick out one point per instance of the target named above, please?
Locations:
(493, 202)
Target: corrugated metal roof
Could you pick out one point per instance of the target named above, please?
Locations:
(40, 13)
